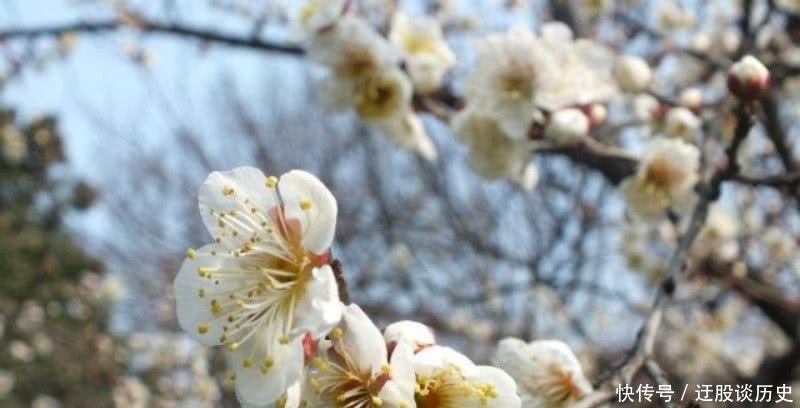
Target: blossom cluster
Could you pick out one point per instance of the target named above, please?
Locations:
(265, 291)
(365, 71)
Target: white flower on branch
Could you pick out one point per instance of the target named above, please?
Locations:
(546, 371)
(492, 153)
(354, 368)
(352, 49)
(448, 379)
(517, 73)
(717, 239)
(263, 288)
(315, 15)
(428, 57)
(681, 123)
(666, 176)
(509, 72)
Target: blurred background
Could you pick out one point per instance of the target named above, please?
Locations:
(108, 130)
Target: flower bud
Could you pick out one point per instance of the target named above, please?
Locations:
(633, 74)
(748, 78)
(567, 126)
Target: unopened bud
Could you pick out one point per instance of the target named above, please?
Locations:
(748, 78)
(567, 126)
(633, 74)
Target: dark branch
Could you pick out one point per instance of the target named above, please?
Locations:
(150, 27)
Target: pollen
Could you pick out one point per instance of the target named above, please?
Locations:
(377, 401)
(305, 204)
(247, 362)
(202, 328)
(271, 182)
(201, 292)
(191, 253)
(266, 365)
(336, 333)
(227, 191)
(233, 346)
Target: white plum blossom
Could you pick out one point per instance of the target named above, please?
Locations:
(352, 48)
(518, 73)
(448, 379)
(665, 177)
(428, 57)
(748, 78)
(416, 334)
(407, 131)
(263, 288)
(567, 127)
(633, 73)
(681, 123)
(509, 72)
(584, 69)
(546, 371)
(353, 369)
(717, 239)
(492, 154)
(315, 15)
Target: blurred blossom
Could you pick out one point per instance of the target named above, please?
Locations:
(131, 393)
(311, 16)
(633, 73)
(401, 256)
(665, 178)
(6, 383)
(14, 143)
(20, 351)
(492, 154)
(567, 127)
(681, 123)
(547, 372)
(45, 401)
(645, 107)
(428, 57)
(691, 98)
(42, 344)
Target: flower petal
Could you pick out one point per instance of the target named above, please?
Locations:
(362, 339)
(306, 199)
(319, 310)
(235, 203)
(270, 368)
(194, 287)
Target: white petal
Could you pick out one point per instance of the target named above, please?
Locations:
(400, 389)
(415, 333)
(362, 340)
(319, 220)
(319, 310)
(254, 386)
(504, 386)
(241, 190)
(429, 359)
(193, 310)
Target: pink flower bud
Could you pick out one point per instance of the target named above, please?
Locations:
(748, 78)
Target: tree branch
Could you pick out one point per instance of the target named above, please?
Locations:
(150, 27)
(642, 350)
